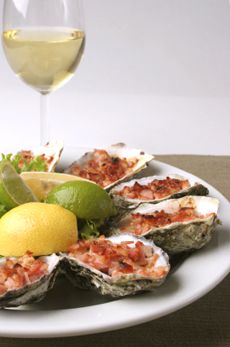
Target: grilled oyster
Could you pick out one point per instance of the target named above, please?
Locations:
(154, 189)
(25, 280)
(175, 225)
(117, 266)
(110, 166)
(43, 158)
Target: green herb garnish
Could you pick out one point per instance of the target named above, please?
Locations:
(89, 230)
(21, 164)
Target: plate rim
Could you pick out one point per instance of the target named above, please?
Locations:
(15, 323)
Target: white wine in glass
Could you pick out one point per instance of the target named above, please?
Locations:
(43, 42)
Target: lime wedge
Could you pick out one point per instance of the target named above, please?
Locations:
(85, 199)
(13, 190)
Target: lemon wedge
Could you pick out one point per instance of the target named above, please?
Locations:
(37, 227)
(41, 183)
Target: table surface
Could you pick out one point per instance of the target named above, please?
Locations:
(203, 323)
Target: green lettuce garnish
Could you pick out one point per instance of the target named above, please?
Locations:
(21, 164)
(88, 229)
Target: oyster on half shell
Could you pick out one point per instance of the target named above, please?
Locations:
(154, 189)
(49, 154)
(109, 166)
(26, 279)
(117, 266)
(175, 225)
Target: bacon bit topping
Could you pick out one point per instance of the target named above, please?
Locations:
(46, 158)
(157, 189)
(17, 273)
(118, 259)
(103, 169)
(140, 223)
(28, 157)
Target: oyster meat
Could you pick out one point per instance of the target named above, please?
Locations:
(110, 166)
(175, 225)
(154, 189)
(26, 279)
(117, 266)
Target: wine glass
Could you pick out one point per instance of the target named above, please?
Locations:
(43, 41)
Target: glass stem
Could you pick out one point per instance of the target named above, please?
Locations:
(44, 119)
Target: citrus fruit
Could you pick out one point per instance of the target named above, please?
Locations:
(41, 183)
(13, 190)
(37, 227)
(85, 199)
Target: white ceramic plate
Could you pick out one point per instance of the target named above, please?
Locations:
(68, 311)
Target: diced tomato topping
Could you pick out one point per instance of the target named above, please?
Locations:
(125, 268)
(117, 259)
(102, 168)
(17, 272)
(157, 189)
(28, 157)
(139, 224)
(2, 289)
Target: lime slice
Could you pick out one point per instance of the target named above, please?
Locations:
(13, 190)
(41, 183)
(85, 199)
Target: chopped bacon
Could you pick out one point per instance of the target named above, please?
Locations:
(28, 157)
(2, 289)
(125, 268)
(139, 224)
(157, 189)
(103, 169)
(46, 158)
(15, 273)
(117, 259)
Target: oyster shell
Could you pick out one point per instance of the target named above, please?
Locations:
(35, 287)
(161, 191)
(110, 281)
(173, 234)
(106, 168)
(49, 153)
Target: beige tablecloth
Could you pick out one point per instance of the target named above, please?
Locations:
(204, 323)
